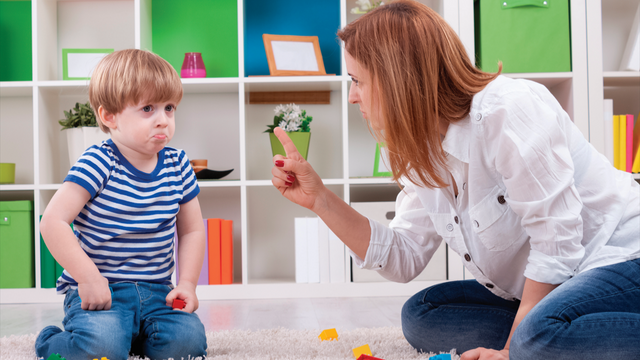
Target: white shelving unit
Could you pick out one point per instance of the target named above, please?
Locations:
(609, 24)
(216, 122)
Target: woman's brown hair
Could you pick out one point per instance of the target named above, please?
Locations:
(423, 76)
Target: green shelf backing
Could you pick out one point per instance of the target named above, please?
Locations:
(15, 41)
(204, 26)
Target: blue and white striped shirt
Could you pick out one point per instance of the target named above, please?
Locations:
(127, 227)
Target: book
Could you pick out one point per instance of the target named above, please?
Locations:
(631, 56)
(623, 143)
(313, 250)
(214, 239)
(226, 253)
(635, 167)
(203, 279)
(629, 155)
(336, 259)
(608, 130)
(616, 141)
(323, 252)
(302, 267)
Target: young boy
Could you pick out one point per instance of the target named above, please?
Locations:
(125, 197)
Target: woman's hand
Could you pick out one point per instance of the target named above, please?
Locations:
(294, 177)
(485, 354)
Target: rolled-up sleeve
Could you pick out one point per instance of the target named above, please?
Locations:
(401, 251)
(535, 162)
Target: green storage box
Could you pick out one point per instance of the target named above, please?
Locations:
(526, 35)
(16, 244)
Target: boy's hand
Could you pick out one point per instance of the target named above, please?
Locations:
(95, 294)
(187, 292)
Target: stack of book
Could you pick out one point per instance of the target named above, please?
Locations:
(320, 255)
(217, 267)
(622, 139)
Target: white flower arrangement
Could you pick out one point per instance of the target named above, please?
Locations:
(364, 6)
(290, 118)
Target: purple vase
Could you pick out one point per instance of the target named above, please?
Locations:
(193, 66)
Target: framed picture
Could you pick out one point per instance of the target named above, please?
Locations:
(380, 168)
(293, 55)
(78, 64)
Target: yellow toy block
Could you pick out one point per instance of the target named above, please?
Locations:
(329, 334)
(103, 358)
(364, 349)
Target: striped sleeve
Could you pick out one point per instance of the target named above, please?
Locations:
(190, 188)
(92, 169)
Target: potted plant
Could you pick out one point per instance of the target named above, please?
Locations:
(82, 130)
(296, 123)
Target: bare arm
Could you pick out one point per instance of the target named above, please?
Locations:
(297, 181)
(66, 204)
(191, 251)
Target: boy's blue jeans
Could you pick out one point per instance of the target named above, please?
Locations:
(594, 315)
(139, 321)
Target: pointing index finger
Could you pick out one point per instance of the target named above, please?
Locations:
(289, 148)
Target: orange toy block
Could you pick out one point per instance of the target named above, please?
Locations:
(329, 334)
(367, 357)
(364, 349)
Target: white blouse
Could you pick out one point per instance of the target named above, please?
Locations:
(535, 199)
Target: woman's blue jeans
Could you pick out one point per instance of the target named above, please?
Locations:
(594, 315)
(139, 322)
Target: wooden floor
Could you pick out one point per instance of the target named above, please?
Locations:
(302, 314)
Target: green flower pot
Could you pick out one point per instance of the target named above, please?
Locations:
(300, 140)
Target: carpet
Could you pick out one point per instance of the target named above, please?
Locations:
(274, 344)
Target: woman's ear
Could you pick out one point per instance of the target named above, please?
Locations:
(107, 118)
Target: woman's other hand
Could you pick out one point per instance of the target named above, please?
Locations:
(294, 177)
(485, 354)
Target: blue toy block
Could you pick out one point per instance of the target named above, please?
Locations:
(441, 357)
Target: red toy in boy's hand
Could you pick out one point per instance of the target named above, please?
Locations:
(178, 304)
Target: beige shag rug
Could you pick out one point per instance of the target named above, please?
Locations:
(275, 344)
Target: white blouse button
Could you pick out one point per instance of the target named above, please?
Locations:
(475, 223)
(478, 116)
(450, 227)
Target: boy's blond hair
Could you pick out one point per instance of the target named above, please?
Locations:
(127, 77)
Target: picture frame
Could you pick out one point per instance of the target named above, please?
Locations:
(380, 168)
(290, 55)
(78, 64)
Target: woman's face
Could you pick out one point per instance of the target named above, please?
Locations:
(361, 91)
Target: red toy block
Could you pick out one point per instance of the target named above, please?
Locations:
(367, 357)
(178, 304)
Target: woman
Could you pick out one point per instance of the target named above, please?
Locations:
(496, 168)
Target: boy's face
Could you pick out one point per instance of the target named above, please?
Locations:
(144, 129)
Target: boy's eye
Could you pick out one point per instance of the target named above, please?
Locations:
(147, 108)
(169, 108)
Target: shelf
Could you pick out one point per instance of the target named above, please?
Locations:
(294, 83)
(621, 78)
(547, 79)
(282, 289)
(210, 85)
(17, 187)
(16, 88)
